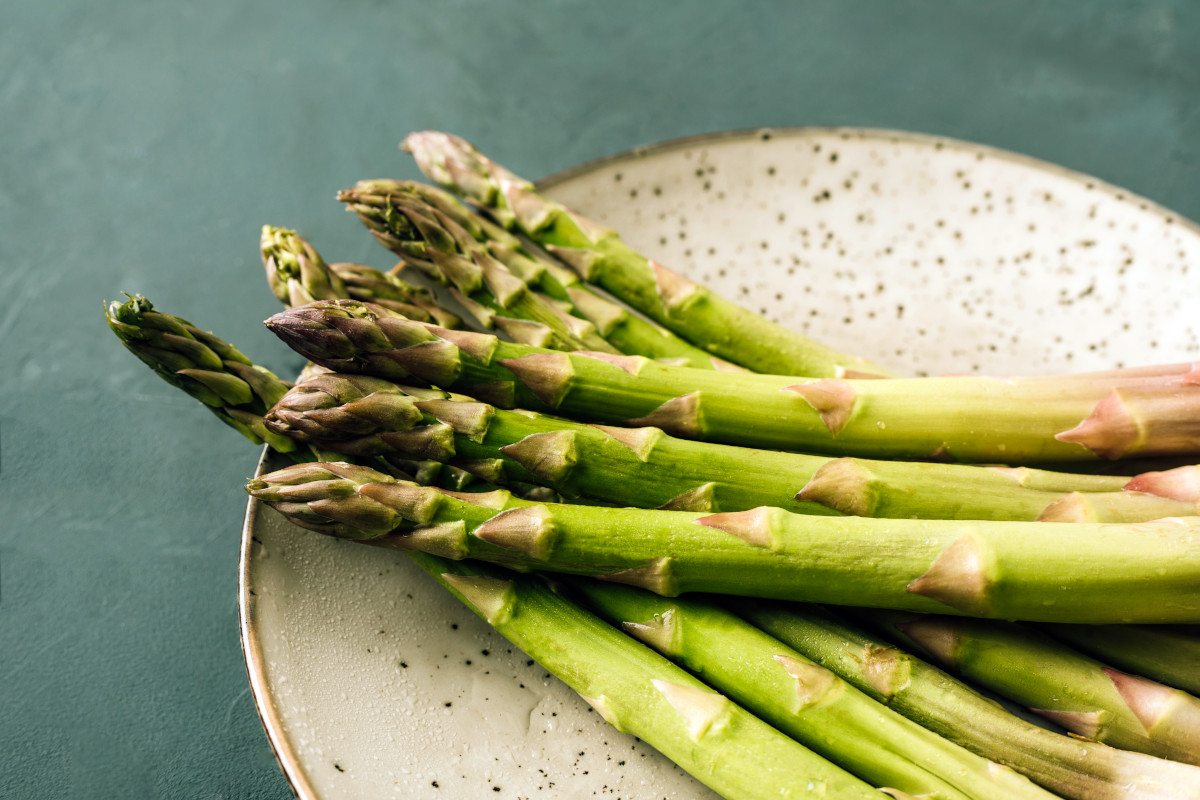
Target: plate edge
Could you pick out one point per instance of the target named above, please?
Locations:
(548, 182)
(252, 657)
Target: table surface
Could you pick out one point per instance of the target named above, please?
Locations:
(143, 145)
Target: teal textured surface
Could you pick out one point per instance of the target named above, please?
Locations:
(142, 147)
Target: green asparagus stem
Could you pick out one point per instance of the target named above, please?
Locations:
(1077, 692)
(497, 297)
(960, 418)
(690, 310)
(802, 699)
(598, 321)
(1166, 654)
(641, 693)
(1145, 572)
(646, 468)
(1070, 767)
(203, 365)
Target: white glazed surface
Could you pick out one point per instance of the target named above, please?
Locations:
(926, 255)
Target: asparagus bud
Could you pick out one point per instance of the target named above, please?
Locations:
(690, 310)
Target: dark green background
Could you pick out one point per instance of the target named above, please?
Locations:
(143, 145)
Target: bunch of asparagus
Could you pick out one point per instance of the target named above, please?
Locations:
(607, 455)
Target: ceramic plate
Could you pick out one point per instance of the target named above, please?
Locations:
(927, 255)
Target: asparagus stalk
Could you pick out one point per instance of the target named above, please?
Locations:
(1166, 654)
(595, 319)
(1146, 572)
(641, 693)
(202, 365)
(1071, 767)
(496, 296)
(600, 256)
(802, 699)
(1077, 692)
(958, 418)
(645, 467)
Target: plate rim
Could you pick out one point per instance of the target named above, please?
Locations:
(889, 134)
(284, 752)
(268, 714)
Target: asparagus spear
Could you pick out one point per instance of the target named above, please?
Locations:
(1068, 766)
(959, 418)
(203, 365)
(1167, 654)
(1077, 692)
(802, 699)
(297, 274)
(497, 297)
(690, 310)
(1012, 570)
(639, 692)
(645, 467)
(378, 204)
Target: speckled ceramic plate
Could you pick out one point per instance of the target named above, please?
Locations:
(924, 254)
